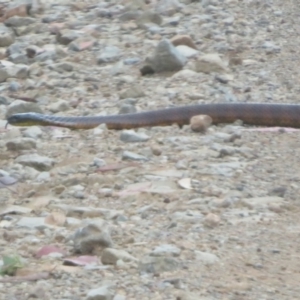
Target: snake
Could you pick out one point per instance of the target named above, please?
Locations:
(259, 114)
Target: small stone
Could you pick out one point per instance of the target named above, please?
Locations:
(109, 54)
(3, 74)
(156, 265)
(186, 51)
(110, 256)
(21, 144)
(62, 67)
(19, 71)
(20, 106)
(168, 7)
(102, 293)
(132, 156)
(156, 150)
(6, 36)
(59, 106)
(66, 36)
(262, 202)
(183, 40)
(40, 163)
(82, 43)
(33, 132)
(17, 21)
(200, 123)
(135, 91)
(211, 220)
(210, 63)
(166, 58)
(165, 250)
(127, 109)
(130, 136)
(32, 222)
(92, 238)
(206, 258)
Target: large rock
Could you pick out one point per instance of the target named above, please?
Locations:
(166, 58)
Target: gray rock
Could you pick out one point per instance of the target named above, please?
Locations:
(6, 36)
(21, 144)
(18, 58)
(34, 132)
(17, 71)
(130, 136)
(109, 54)
(66, 36)
(102, 293)
(110, 256)
(40, 163)
(187, 51)
(133, 156)
(152, 264)
(168, 7)
(166, 58)
(149, 17)
(3, 100)
(17, 21)
(210, 63)
(14, 86)
(81, 43)
(3, 74)
(206, 258)
(62, 67)
(135, 91)
(19, 106)
(58, 106)
(125, 109)
(262, 202)
(165, 250)
(32, 222)
(92, 238)
(119, 297)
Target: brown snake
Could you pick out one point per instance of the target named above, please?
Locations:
(284, 115)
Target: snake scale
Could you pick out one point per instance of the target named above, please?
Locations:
(282, 115)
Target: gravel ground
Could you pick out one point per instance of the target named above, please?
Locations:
(152, 213)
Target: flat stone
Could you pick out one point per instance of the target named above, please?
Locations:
(21, 144)
(152, 264)
(109, 54)
(166, 250)
(130, 136)
(102, 293)
(40, 163)
(206, 258)
(133, 156)
(110, 256)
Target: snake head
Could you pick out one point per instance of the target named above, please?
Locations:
(23, 119)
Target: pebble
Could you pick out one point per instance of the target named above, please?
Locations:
(206, 258)
(166, 250)
(151, 264)
(166, 58)
(133, 156)
(21, 144)
(92, 238)
(111, 256)
(209, 63)
(200, 123)
(38, 162)
(101, 293)
(130, 136)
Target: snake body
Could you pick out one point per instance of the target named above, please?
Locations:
(285, 115)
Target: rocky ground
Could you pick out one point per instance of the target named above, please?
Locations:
(153, 213)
